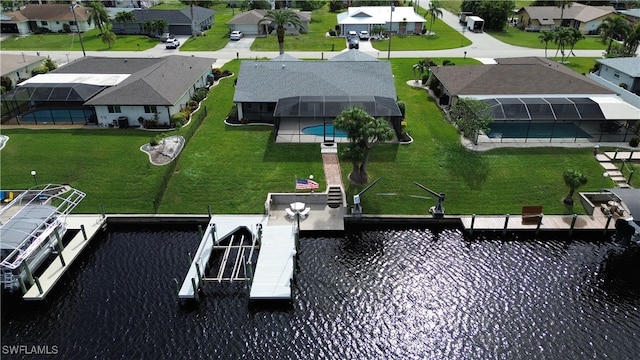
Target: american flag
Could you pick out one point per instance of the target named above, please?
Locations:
(305, 184)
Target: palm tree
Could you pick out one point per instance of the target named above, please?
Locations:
(159, 25)
(279, 19)
(147, 26)
(433, 12)
(108, 38)
(574, 36)
(612, 26)
(422, 66)
(574, 179)
(633, 39)
(124, 17)
(563, 4)
(545, 37)
(98, 15)
(561, 37)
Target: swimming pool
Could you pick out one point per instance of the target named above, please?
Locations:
(536, 130)
(57, 116)
(318, 130)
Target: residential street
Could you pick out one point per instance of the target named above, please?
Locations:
(484, 47)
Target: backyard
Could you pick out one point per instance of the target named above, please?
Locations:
(231, 169)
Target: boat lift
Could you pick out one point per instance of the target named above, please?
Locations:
(357, 208)
(438, 210)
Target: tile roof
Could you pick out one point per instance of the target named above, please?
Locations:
(53, 12)
(516, 76)
(268, 81)
(153, 81)
(9, 63)
(627, 65)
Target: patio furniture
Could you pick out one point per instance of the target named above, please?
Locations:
(304, 213)
(290, 213)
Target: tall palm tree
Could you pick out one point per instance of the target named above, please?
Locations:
(434, 11)
(545, 37)
(561, 37)
(124, 17)
(279, 19)
(612, 26)
(98, 15)
(633, 39)
(563, 4)
(159, 25)
(147, 26)
(108, 38)
(574, 36)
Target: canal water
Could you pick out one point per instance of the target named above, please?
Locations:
(372, 294)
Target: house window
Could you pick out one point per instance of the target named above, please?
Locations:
(44, 23)
(150, 109)
(616, 75)
(114, 109)
(72, 23)
(57, 22)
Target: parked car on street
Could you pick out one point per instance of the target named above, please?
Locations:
(354, 43)
(172, 44)
(236, 35)
(363, 35)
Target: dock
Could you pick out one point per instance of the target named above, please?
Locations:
(87, 226)
(274, 271)
(549, 223)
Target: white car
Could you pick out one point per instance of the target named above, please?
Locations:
(236, 35)
(364, 35)
(172, 44)
(351, 34)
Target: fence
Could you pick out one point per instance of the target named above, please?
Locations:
(196, 120)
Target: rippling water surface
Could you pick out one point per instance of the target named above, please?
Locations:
(375, 294)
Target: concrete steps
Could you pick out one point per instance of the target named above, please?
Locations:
(334, 197)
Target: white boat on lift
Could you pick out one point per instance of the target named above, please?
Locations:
(30, 227)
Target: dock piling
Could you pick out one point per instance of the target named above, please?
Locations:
(539, 224)
(209, 211)
(102, 210)
(22, 286)
(473, 221)
(190, 258)
(573, 224)
(29, 274)
(606, 226)
(200, 231)
(84, 232)
(175, 281)
(195, 290)
(37, 281)
(60, 245)
(506, 224)
(199, 273)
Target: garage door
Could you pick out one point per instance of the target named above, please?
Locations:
(180, 29)
(9, 28)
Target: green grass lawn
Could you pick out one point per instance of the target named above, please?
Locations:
(523, 38)
(218, 36)
(108, 165)
(445, 38)
(71, 42)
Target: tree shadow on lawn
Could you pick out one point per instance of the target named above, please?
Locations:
(464, 164)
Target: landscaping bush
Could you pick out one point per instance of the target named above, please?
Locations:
(149, 123)
(332, 32)
(403, 107)
(66, 28)
(200, 94)
(179, 117)
(634, 142)
(153, 141)
(447, 62)
(192, 105)
(424, 79)
(39, 70)
(624, 86)
(226, 73)
(42, 30)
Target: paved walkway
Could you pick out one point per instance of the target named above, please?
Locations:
(332, 171)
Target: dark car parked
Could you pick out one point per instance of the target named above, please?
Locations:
(354, 43)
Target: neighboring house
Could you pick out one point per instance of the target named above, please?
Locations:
(117, 87)
(290, 93)
(249, 23)
(401, 20)
(617, 71)
(18, 67)
(632, 16)
(181, 22)
(49, 16)
(578, 16)
(524, 92)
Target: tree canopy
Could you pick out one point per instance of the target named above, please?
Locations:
(279, 19)
(495, 13)
(471, 116)
(573, 179)
(363, 131)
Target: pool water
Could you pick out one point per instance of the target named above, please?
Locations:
(57, 116)
(329, 130)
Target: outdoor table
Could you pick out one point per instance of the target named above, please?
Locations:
(297, 206)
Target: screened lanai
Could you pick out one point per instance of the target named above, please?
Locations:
(314, 115)
(600, 119)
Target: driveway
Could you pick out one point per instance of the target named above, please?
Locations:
(242, 44)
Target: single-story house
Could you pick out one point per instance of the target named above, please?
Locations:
(632, 16)
(181, 22)
(399, 19)
(49, 16)
(117, 88)
(585, 18)
(17, 68)
(536, 98)
(249, 23)
(293, 94)
(615, 72)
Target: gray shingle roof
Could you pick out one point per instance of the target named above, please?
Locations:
(268, 81)
(248, 18)
(353, 55)
(627, 65)
(285, 57)
(516, 76)
(173, 17)
(153, 81)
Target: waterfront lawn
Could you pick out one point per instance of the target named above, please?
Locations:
(71, 42)
(107, 164)
(445, 38)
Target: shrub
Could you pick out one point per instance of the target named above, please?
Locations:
(66, 28)
(403, 107)
(332, 32)
(634, 142)
(424, 79)
(447, 62)
(217, 73)
(192, 105)
(42, 30)
(226, 73)
(39, 70)
(153, 141)
(179, 117)
(149, 123)
(624, 86)
(200, 94)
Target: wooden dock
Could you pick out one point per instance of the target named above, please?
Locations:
(49, 278)
(549, 223)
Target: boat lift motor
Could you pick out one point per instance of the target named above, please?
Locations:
(357, 208)
(438, 210)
